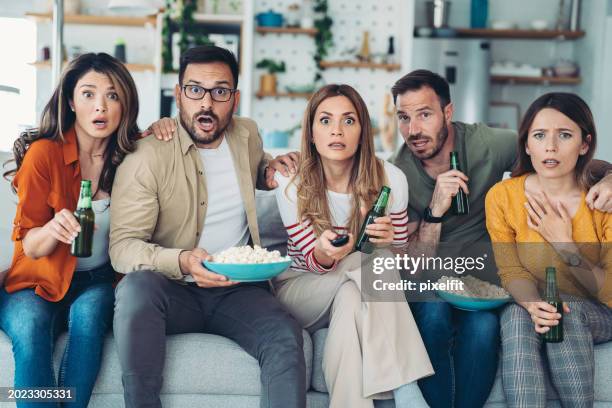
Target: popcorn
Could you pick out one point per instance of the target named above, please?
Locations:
(248, 255)
(475, 288)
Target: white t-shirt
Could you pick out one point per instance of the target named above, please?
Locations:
(226, 223)
(301, 243)
(99, 251)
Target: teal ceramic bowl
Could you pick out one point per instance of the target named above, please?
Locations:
(248, 272)
(470, 303)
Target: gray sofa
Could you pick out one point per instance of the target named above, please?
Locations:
(211, 371)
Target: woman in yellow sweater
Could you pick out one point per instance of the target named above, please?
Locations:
(540, 218)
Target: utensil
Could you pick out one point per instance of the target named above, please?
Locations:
(437, 13)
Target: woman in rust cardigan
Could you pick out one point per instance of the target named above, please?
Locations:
(86, 129)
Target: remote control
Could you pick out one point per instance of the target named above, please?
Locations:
(340, 240)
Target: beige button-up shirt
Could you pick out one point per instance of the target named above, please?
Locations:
(159, 197)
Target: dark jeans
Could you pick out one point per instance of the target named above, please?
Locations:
(32, 323)
(463, 349)
(149, 306)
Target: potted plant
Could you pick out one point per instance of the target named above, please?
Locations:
(279, 138)
(267, 82)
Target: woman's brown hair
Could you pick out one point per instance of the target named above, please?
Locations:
(57, 116)
(367, 174)
(575, 108)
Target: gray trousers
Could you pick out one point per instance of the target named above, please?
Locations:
(570, 363)
(148, 306)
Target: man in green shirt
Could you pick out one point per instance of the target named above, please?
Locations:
(462, 346)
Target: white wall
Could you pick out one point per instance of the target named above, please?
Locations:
(591, 52)
(140, 42)
(603, 111)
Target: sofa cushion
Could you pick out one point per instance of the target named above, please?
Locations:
(195, 364)
(271, 229)
(8, 204)
(603, 373)
(318, 345)
(313, 400)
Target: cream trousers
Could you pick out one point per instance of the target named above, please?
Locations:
(371, 349)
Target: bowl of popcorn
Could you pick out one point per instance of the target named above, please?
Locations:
(246, 264)
(470, 293)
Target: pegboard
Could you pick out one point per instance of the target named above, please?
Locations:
(381, 18)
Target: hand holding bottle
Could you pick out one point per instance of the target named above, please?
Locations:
(381, 230)
(544, 315)
(64, 227)
(363, 243)
(447, 187)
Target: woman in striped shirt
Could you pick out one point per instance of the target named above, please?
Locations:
(338, 179)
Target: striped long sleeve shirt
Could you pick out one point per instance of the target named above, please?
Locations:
(302, 238)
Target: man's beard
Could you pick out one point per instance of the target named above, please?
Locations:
(441, 139)
(190, 125)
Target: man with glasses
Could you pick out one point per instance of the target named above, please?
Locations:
(176, 202)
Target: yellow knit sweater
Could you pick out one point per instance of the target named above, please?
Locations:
(521, 252)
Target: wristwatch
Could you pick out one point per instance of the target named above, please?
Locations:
(428, 217)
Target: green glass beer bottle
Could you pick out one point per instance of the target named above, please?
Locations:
(82, 244)
(460, 204)
(551, 296)
(378, 210)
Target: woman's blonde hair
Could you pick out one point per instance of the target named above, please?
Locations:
(367, 174)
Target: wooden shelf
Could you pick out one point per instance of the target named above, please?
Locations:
(350, 64)
(218, 18)
(130, 67)
(518, 34)
(306, 95)
(287, 30)
(535, 80)
(97, 20)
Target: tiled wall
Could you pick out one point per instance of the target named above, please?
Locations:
(381, 18)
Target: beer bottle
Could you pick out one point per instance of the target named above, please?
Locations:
(551, 296)
(82, 244)
(460, 204)
(378, 210)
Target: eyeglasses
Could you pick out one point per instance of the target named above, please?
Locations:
(217, 94)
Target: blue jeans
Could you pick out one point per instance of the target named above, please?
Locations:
(463, 349)
(32, 323)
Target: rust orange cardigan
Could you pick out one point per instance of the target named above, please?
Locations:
(47, 181)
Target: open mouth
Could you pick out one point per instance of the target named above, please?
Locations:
(550, 163)
(100, 123)
(420, 143)
(206, 122)
(337, 146)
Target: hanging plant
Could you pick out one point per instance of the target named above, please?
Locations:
(166, 37)
(178, 17)
(324, 37)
